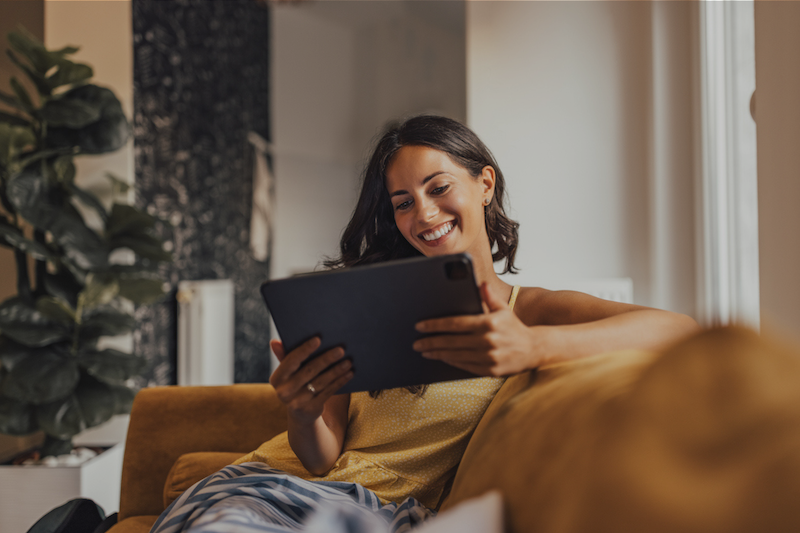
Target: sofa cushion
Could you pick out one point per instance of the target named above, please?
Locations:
(538, 427)
(191, 468)
(702, 438)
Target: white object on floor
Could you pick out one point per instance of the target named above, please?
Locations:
(108, 433)
(482, 514)
(205, 332)
(29, 492)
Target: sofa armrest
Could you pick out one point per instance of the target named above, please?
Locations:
(167, 422)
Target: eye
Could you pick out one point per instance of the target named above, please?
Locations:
(402, 206)
(440, 190)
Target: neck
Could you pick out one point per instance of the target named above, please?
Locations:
(484, 272)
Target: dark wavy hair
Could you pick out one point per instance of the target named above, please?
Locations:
(372, 236)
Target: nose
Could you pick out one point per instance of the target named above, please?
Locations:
(426, 210)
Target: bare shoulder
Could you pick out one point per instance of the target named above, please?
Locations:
(538, 306)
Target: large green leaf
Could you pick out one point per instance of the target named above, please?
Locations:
(22, 95)
(16, 418)
(126, 219)
(45, 375)
(100, 289)
(35, 198)
(69, 73)
(107, 134)
(11, 353)
(62, 284)
(142, 291)
(11, 101)
(123, 399)
(55, 446)
(33, 50)
(41, 202)
(62, 418)
(89, 199)
(70, 113)
(92, 403)
(105, 322)
(14, 120)
(110, 365)
(56, 310)
(40, 58)
(82, 245)
(32, 157)
(24, 324)
(16, 239)
(13, 140)
(97, 401)
(38, 79)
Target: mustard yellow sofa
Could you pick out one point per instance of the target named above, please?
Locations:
(704, 437)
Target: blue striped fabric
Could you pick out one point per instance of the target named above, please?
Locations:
(252, 497)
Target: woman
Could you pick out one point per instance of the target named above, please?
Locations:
(431, 187)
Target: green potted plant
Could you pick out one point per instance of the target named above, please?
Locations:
(54, 376)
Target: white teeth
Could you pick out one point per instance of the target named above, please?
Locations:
(444, 230)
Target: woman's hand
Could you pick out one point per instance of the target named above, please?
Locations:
(305, 389)
(496, 343)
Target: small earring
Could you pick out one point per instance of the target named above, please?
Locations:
(486, 201)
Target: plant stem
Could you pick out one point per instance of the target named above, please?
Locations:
(23, 280)
(78, 319)
(41, 266)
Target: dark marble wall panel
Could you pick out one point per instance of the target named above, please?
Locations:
(201, 82)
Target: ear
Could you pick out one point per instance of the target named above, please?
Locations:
(487, 179)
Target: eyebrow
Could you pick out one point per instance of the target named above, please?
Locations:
(426, 180)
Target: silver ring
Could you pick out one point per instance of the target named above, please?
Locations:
(311, 388)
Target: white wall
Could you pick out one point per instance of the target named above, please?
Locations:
(778, 133)
(340, 72)
(313, 82)
(599, 164)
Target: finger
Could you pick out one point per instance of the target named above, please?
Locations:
(492, 300)
(292, 361)
(333, 375)
(455, 357)
(322, 396)
(277, 349)
(451, 342)
(314, 369)
(338, 383)
(321, 381)
(453, 324)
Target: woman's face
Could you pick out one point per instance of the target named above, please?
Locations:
(438, 205)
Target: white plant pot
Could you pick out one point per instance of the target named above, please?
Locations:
(28, 492)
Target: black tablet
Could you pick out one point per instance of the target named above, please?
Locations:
(371, 312)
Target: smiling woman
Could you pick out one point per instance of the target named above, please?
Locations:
(431, 187)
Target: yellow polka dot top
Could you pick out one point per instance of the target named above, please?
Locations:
(399, 444)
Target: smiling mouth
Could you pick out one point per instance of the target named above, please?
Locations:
(440, 232)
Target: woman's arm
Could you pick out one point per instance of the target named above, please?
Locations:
(548, 327)
(317, 420)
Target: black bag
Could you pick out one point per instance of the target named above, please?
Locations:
(76, 516)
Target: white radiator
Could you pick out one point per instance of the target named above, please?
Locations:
(205, 332)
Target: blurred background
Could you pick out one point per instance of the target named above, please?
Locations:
(252, 121)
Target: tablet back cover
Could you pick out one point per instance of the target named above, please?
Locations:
(371, 311)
